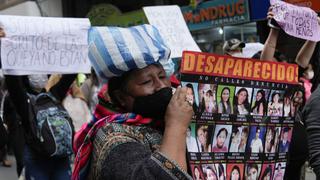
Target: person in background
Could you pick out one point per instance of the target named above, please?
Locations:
(221, 172)
(15, 129)
(90, 89)
(37, 167)
(233, 47)
(278, 173)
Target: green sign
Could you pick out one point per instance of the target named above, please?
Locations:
(128, 19)
(216, 13)
(109, 15)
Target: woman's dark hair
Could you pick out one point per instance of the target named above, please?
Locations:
(250, 166)
(221, 171)
(194, 105)
(237, 169)
(210, 168)
(235, 130)
(273, 137)
(194, 169)
(266, 172)
(245, 103)
(220, 131)
(258, 128)
(273, 95)
(209, 131)
(296, 89)
(262, 101)
(224, 108)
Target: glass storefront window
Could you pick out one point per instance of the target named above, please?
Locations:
(211, 40)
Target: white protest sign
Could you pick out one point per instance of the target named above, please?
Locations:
(43, 44)
(251, 48)
(173, 28)
(296, 21)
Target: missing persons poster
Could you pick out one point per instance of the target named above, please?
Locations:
(243, 120)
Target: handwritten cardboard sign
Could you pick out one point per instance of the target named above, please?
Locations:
(44, 44)
(296, 21)
(171, 24)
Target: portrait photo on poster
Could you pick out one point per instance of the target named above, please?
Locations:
(225, 95)
(241, 101)
(203, 137)
(207, 98)
(221, 138)
(256, 139)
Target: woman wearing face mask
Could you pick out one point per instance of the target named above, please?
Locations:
(139, 128)
(241, 102)
(224, 105)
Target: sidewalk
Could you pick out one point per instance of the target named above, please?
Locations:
(9, 173)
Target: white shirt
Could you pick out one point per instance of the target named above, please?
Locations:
(256, 145)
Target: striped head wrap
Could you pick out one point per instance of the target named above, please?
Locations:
(115, 50)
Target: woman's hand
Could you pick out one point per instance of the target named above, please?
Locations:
(179, 111)
(270, 14)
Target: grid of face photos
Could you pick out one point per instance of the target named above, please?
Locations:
(227, 99)
(238, 171)
(202, 138)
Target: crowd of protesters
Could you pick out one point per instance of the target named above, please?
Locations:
(134, 126)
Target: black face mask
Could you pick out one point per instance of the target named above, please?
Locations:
(154, 105)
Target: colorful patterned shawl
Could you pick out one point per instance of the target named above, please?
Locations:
(104, 113)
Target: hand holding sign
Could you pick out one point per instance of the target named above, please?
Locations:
(296, 21)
